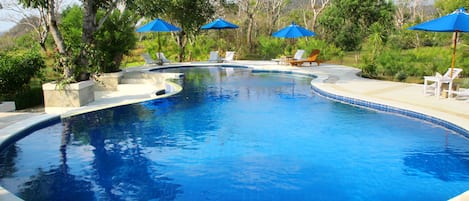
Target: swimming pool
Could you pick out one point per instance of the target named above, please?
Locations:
(236, 135)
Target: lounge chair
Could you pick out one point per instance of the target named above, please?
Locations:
(461, 94)
(298, 55)
(284, 60)
(313, 57)
(435, 82)
(229, 55)
(213, 56)
(148, 59)
(160, 55)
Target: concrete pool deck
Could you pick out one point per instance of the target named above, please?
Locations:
(334, 79)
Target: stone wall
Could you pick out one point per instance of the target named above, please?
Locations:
(70, 95)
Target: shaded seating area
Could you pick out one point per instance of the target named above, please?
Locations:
(313, 57)
(433, 85)
(283, 60)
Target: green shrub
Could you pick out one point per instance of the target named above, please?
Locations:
(199, 49)
(29, 97)
(17, 69)
(271, 47)
(328, 51)
(400, 76)
(115, 39)
(169, 47)
(71, 28)
(464, 83)
(369, 68)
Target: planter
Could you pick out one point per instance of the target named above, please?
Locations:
(108, 81)
(7, 106)
(70, 95)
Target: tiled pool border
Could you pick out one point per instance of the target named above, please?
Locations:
(391, 109)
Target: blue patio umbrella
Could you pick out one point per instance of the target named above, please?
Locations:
(456, 22)
(219, 24)
(158, 25)
(293, 31)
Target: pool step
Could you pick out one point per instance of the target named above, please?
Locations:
(148, 78)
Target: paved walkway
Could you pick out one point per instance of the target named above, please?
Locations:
(336, 79)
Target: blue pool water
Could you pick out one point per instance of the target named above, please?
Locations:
(236, 135)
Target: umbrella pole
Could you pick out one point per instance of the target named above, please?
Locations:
(159, 43)
(453, 60)
(218, 41)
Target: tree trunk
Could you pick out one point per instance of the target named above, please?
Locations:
(88, 29)
(182, 45)
(43, 47)
(317, 10)
(274, 11)
(59, 41)
(249, 31)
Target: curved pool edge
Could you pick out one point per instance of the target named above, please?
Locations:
(25, 126)
(174, 89)
(319, 86)
(391, 109)
(18, 130)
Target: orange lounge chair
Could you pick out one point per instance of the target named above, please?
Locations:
(313, 57)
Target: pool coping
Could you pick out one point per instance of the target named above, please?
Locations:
(388, 108)
(18, 129)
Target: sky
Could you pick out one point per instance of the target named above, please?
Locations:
(4, 25)
(6, 14)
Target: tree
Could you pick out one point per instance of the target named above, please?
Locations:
(116, 38)
(49, 7)
(37, 21)
(249, 8)
(90, 25)
(273, 11)
(448, 6)
(346, 23)
(318, 7)
(190, 15)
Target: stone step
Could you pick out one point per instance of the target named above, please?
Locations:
(135, 81)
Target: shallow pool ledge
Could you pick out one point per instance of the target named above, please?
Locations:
(462, 197)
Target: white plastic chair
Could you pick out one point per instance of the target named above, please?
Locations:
(160, 55)
(284, 60)
(435, 82)
(148, 59)
(213, 56)
(299, 54)
(229, 56)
